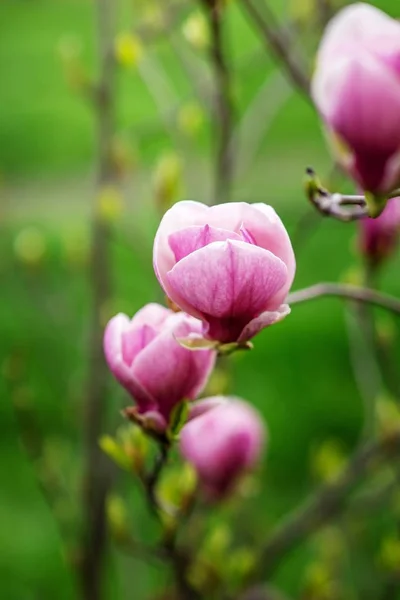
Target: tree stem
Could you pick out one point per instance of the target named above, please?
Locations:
(97, 469)
(224, 106)
(351, 292)
(327, 502)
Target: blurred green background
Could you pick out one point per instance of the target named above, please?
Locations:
(299, 374)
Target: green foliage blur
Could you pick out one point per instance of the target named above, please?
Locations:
(299, 374)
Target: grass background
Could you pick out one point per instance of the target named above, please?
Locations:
(299, 374)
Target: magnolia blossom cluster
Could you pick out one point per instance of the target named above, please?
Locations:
(228, 269)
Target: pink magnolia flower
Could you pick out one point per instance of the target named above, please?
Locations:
(229, 265)
(144, 356)
(222, 444)
(356, 88)
(379, 237)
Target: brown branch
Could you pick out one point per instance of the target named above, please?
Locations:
(151, 479)
(224, 105)
(351, 292)
(97, 478)
(323, 505)
(178, 558)
(342, 207)
(281, 45)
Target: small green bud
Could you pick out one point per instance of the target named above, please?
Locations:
(117, 517)
(114, 451)
(196, 31)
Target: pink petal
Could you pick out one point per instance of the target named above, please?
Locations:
(185, 241)
(112, 343)
(262, 321)
(134, 340)
(202, 406)
(359, 26)
(229, 283)
(170, 372)
(269, 232)
(180, 216)
(152, 314)
(261, 223)
(223, 442)
(360, 100)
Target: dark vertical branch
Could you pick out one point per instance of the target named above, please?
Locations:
(324, 12)
(280, 44)
(97, 470)
(224, 105)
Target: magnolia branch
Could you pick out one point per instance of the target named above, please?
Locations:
(97, 477)
(347, 291)
(340, 206)
(280, 44)
(169, 550)
(223, 104)
(325, 504)
(151, 479)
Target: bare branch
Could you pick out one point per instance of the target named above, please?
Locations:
(351, 292)
(224, 105)
(98, 472)
(178, 558)
(327, 502)
(260, 114)
(281, 45)
(151, 480)
(340, 206)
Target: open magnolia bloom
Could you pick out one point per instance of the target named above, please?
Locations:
(230, 265)
(356, 88)
(223, 443)
(144, 356)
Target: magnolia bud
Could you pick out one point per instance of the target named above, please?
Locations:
(356, 87)
(222, 444)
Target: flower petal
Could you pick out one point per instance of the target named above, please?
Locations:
(152, 314)
(180, 216)
(170, 372)
(202, 406)
(360, 100)
(229, 283)
(262, 321)
(222, 443)
(185, 241)
(359, 26)
(121, 371)
(260, 221)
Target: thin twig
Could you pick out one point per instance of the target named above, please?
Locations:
(97, 469)
(343, 290)
(342, 207)
(260, 115)
(281, 45)
(224, 105)
(365, 369)
(177, 557)
(323, 505)
(195, 71)
(151, 480)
